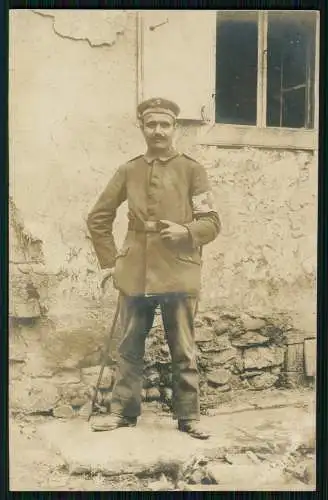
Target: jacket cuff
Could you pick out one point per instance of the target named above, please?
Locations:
(106, 255)
(202, 231)
(191, 234)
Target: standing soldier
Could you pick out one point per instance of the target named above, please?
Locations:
(171, 216)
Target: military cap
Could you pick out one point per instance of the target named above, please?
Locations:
(158, 105)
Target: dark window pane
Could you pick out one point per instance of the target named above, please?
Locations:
(290, 77)
(236, 70)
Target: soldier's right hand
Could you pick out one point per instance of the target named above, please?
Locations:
(105, 275)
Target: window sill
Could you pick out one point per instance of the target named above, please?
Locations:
(251, 136)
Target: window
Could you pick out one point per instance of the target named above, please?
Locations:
(251, 76)
(288, 45)
(290, 76)
(236, 68)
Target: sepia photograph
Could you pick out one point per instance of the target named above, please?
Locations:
(163, 211)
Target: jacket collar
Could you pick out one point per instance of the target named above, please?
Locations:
(172, 153)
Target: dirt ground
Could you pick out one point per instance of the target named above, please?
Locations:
(38, 467)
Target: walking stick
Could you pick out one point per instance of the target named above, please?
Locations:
(90, 409)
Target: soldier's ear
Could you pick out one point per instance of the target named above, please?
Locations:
(140, 123)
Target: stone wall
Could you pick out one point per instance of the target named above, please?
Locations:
(66, 140)
(234, 353)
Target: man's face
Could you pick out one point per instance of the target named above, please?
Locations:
(158, 130)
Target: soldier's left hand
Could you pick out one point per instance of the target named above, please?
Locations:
(173, 232)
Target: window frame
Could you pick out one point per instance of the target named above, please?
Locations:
(259, 135)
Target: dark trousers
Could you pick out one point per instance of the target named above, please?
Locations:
(137, 315)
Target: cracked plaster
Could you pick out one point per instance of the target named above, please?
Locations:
(97, 29)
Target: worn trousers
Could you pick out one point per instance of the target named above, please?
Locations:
(136, 317)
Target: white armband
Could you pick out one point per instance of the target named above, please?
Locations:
(203, 203)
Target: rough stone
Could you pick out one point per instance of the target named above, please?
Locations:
(79, 401)
(251, 373)
(92, 371)
(230, 315)
(166, 376)
(250, 323)
(304, 471)
(250, 338)
(71, 392)
(221, 327)
(207, 348)
(262, 357)
(236, 382)
(63, 411)
(148, 446)
(196, 477)
(210, 317)
(167, 394)
(310, 472)
(153, 394)
(224, 356)
(143, 394)
(292, 380)
(244, 384)
(243, 477)
(90, 376)
(165, 350)
(235, 331)
(263, 381)
(77, 339)
(161, 485)
(71, 363)
(274, 332)
(224, 388)
(219, 377)
(222, 343)
(253, 457)
(276, 370)
(237, 459)
(151, 378)
(238, 365)
(183, 486)
(198, 323)
(67, 377)
(203, 335)
(89, 360)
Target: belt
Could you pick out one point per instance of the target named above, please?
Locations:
(147, 226)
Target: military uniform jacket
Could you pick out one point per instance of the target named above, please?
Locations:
(174, 188)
